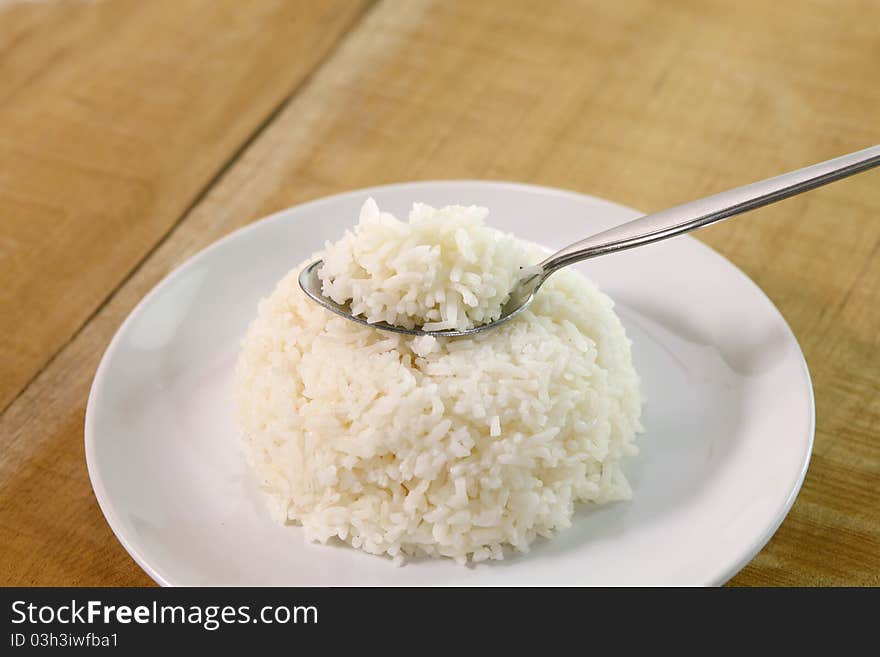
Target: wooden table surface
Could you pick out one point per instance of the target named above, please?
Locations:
(132, 134)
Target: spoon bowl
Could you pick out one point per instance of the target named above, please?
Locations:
(311, 284)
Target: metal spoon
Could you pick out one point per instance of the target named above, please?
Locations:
(650, 228)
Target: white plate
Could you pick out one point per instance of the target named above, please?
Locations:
(729, 412)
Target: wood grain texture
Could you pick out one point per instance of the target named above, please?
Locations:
(114, 116)
(644, 103)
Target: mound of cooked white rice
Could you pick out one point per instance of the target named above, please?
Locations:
(452, 447)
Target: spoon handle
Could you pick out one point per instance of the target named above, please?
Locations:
(696, 214)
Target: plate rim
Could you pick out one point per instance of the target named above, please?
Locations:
(153, 571)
